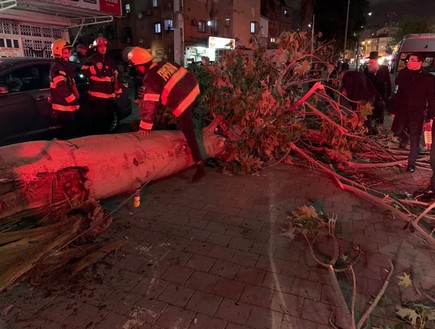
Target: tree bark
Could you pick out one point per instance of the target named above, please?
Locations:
(40, 176)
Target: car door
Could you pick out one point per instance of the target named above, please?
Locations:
(25, 111)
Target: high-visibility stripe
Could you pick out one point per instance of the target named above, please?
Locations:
(187, 101)
(151, 97)
(65, 108)
(85, 67)
(58, 79)
(104, 79)
(100, 95)
(145, 125)
(171, 83)
(92, 69)
(71, 98)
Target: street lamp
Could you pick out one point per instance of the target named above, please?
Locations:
(345, 30)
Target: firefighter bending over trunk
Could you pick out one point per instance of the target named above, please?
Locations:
(171, 85)
(103, 87)
(63, 90)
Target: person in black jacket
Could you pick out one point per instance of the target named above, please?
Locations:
(63, 90)
(359, 90)
(380, 79)
(80, 55)
(414, 102)
(104, 86)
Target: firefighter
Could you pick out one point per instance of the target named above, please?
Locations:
(64, 94)
(171, 85)
(104, 87)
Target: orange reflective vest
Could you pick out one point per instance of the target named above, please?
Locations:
(103, 83)
(63, 91)
(168, 84)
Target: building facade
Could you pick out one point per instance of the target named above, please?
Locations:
(185, 30)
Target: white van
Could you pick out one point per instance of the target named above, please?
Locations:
(423, 44)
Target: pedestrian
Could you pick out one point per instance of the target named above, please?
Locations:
(415, 96)
(104, 86)
(169, 84)
(80, 54)
(359, 90)
(379, 76)
(63, 90)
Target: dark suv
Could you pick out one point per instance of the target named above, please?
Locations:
(25, 111)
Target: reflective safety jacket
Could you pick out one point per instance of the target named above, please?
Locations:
(63, 90)
(168, 84)
(103, 83)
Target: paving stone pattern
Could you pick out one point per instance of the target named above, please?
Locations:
(211, 255)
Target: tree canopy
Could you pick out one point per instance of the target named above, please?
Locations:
(412, 24)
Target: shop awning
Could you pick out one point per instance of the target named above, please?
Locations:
(61, 12)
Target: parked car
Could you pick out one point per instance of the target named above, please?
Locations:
(25, 109)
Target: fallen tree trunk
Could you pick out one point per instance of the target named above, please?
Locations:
(42, 176)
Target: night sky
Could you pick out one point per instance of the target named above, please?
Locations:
(382, 9)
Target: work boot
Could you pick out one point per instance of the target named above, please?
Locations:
(411, 169)
(200, 171)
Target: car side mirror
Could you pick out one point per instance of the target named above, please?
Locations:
(4, 89)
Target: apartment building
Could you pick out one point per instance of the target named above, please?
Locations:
(184, 30)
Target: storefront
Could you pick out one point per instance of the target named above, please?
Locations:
(213, 50)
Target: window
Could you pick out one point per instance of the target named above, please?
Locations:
(155, 3)
(168, 25)
(157, 28)
(28, 78)
(202, 26)
(227, 22)
(127, 8)
(285, 12)
(254, 27)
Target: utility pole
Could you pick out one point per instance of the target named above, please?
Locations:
(345, 30)
(312, 36)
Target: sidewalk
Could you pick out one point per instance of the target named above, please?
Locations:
(210, 255)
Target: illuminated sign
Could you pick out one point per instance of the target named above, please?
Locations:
(107, 6)
(221, 43)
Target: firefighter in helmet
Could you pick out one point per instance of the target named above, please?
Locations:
(64, 94)
(104, 87)
(173, 86)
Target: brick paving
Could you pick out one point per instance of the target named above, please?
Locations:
(210, 255)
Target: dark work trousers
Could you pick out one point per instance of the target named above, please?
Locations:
(378, 111)
(414, 148)
(100, 110)
(432, 159)
(188, 129)
(67, 120)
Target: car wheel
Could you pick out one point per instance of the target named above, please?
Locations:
(114, 122)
